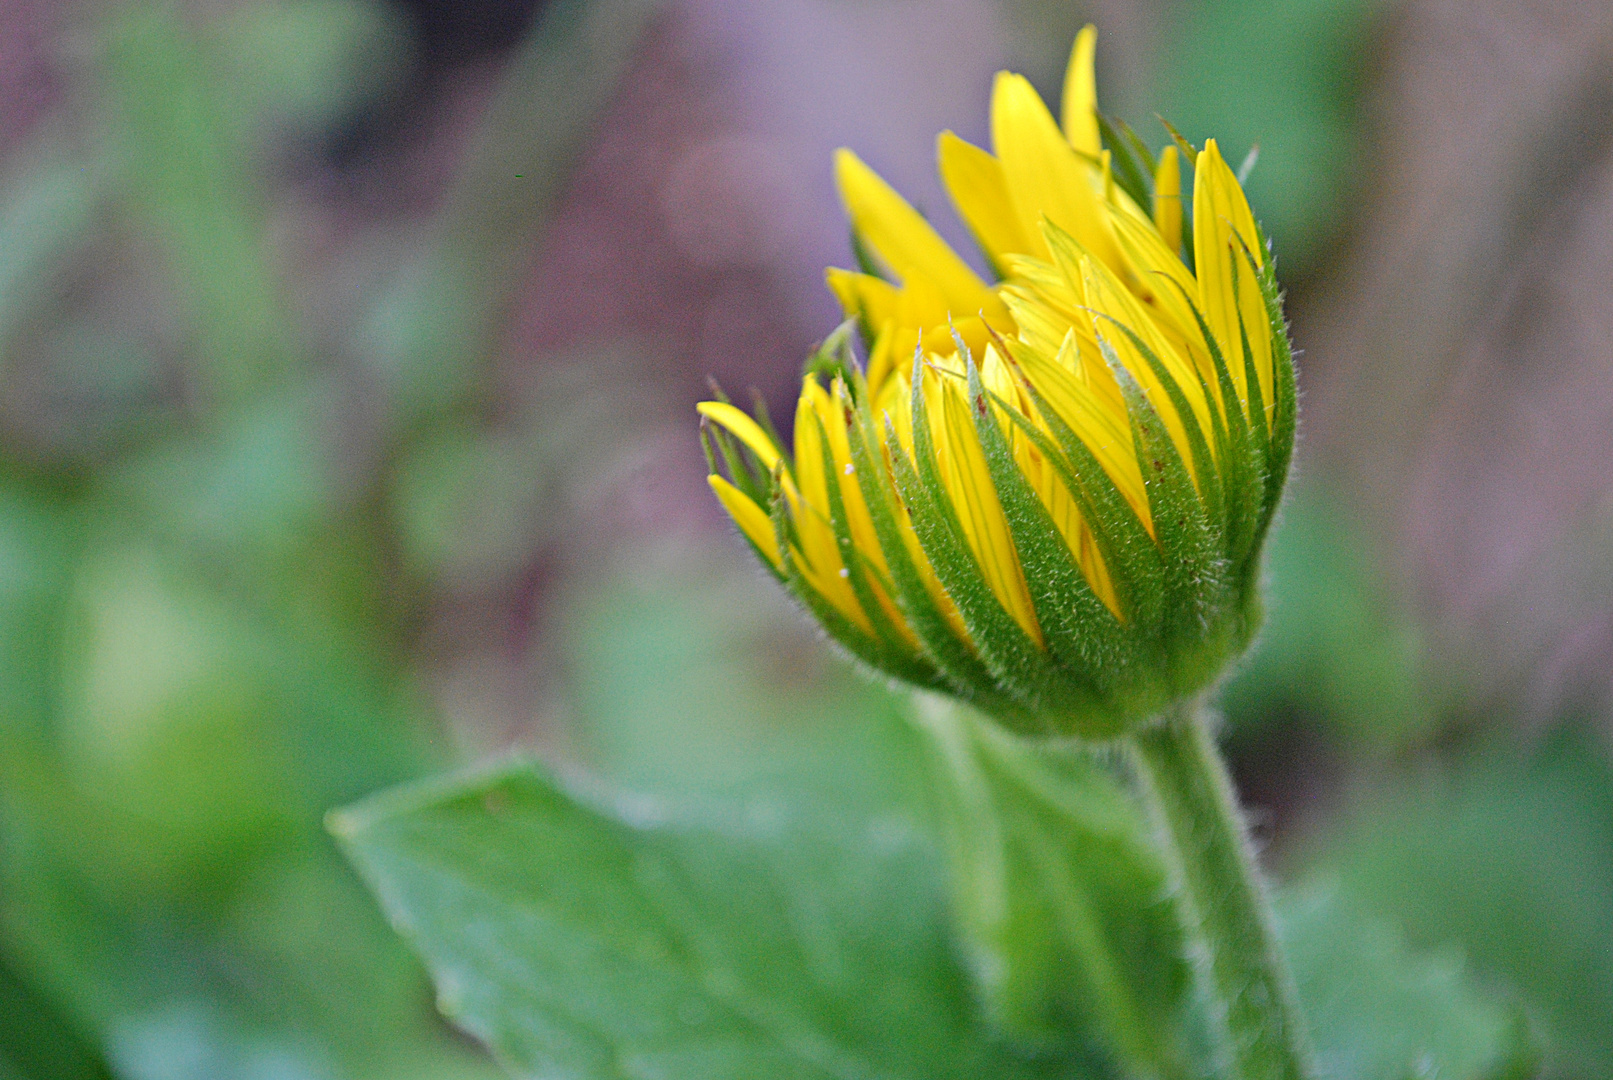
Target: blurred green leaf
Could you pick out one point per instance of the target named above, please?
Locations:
(437, 319)
(789, 826)
(192, 193)
(303, 63)
(590, 936)
(1334, 647)
(584, 939)
(1060, 896)
(1378, 1012)
(694, 678)
(46, 213)
(166, 751)
(36, 1043)
(1284, 75)
(162, 727)
(1510, 859)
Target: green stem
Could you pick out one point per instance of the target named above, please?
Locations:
(1225, 897)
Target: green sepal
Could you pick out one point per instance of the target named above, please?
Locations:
(833, 358)
(1195, 566)
(1134, 560)
(858, 569)
(1243, 466)
(762, 557)
(1133, 164)
(1280, 454)
(1189, 151)
(1208, 488)
(953, 657)
(743, 468)
(1018, 666)
(870, 650)
(1082, 634)
(764, 420)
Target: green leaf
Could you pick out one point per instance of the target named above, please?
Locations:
(47, 212)
(582, 938)
(1506, 857)
(434, 323)
(1379, 1013)
(36, 1041)
(1060, 896)
(1285, 75)
(303, 64)
(191, 193)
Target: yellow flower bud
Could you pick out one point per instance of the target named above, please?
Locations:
(1045, 494)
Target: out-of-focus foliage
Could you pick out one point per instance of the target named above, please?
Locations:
(1335, 648)
(1509, 856)
(1283, 75)
(756, 928)
(202, 648)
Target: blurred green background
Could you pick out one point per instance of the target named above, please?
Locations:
(347, 356)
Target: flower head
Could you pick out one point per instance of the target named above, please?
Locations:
(1048, 493)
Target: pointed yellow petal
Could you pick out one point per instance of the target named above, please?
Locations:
(968, 483)
(1227, 290)
(901, 237)
(1039, 326)
(975, 181)
(752, 520)
(1080, 108)
(1110, 300)
(1045, 176)
(1099, 419)
(895, 403)
(743, 428)
(1169, 291)
(859, 521)
(871, 298)
(820, 550)
(1168, 198)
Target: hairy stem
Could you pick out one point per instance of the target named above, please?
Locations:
(1224, 897)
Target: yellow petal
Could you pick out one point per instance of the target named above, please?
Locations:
(968, 482)
(1080, 108)
(743, 428)
(1221, 219)
(859, 521)
(1110, 300)
(752, 520)
(820, 550)
(975, 181)
(894, 402)
(1169, 290)
(1096, 418)
(904, 240)
(1168, 198)
(1039, 326)
(835, 414)
(870, 298)
(1045, 176)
